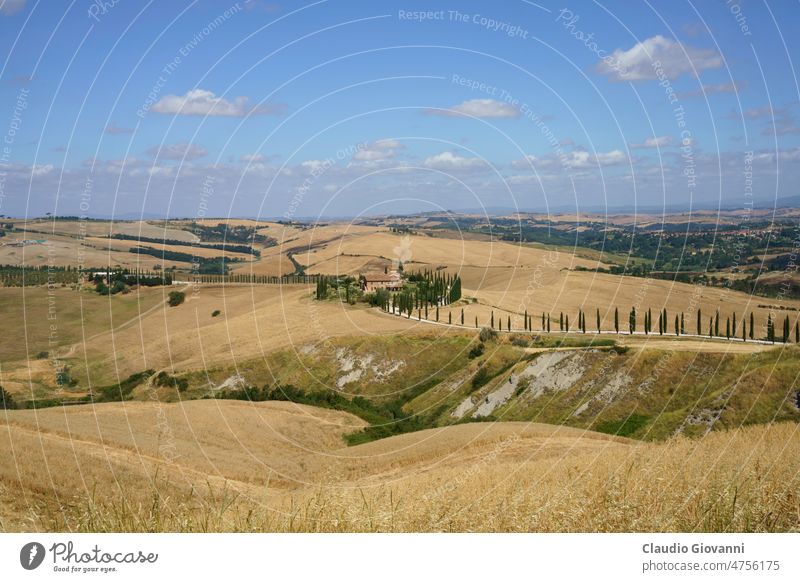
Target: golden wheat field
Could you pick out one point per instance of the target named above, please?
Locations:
(233, 466)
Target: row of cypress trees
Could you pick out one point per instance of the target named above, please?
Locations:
(677, 325)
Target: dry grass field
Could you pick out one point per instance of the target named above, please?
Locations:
(72, 242)
(230, 466)
(254, 321)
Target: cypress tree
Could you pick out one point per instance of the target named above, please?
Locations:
(744, 330)
(450, 318)
(677, 325)
(492, 323)
(716, 324)
(566, 322)
(548, 323)
(476, 322)
(462, 316)
(508, 323)
(796, 332)
(525, 321)
(786, 330)
(561, 321)
(632, 321)
(752, 325)
(543, 324)
(727, 328)
(437, 312)
(733, 325)
(710, 327)
(616, 320)
(699, 331)
(598, 320)
(770, 330)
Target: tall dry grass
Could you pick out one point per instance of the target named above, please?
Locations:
(746, 480)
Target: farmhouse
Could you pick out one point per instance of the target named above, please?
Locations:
(374, 281)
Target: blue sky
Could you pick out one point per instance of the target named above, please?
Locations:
(342, 108)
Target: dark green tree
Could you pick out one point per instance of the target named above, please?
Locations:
(6, 401)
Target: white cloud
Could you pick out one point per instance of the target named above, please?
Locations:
(9, 7)
(654, 142)
(583, 159)
(315, 166)
(254, 158)
(202, 102)
(384, 149)
(448, 161)
(644, 59)
(574, 160)
(478, 108)
(41, 170)
(159, 170)
(178, 151)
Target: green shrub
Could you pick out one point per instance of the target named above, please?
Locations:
(176, 298)
(480, 378)
(520, 341)
(215, 313)
(165, 380)
(624, 427)
(476, 351)
(487, 334)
